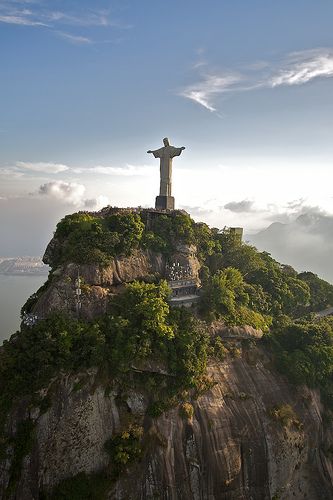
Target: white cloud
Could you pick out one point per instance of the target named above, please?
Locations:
(40, 15)
(46, 167)
(72, 193)
(10, 172)
(76, 39)
(295, 69)
(97, 203)
(303, 239)
(22, 167)
(67, 192)
(127, 171)
(20, 19)
(240, 206)
(204, 92)
(304, 67)
(97, 18)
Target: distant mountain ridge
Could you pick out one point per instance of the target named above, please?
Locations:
(306, 243)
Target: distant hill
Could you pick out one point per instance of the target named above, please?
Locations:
(306, 243)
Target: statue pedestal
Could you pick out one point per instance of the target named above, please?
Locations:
(165, 203)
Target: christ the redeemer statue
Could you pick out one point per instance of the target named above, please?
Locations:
(165, 200)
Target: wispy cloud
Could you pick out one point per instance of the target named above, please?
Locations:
(89, 19)
(21, 19)
(75, 39)
(127, 171)
(205, 91)
(296, 69)
(45, 167)
(40, 14)
(11, 173)
(20, 168)
(304, 67)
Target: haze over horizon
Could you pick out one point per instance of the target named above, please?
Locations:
(90, 86)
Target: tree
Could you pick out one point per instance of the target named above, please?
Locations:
(321, 291)
(224, 289)
(305, 351)
(138, 322)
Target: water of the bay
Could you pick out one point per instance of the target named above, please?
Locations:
(14, 291)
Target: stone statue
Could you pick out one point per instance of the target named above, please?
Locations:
(165, 199)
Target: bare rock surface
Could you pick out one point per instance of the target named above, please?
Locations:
(220, 329)
(232, 448)
(99, 282)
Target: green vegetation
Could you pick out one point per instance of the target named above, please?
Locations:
(219, 350)
(321, 291)
(286, 415)
(239, 285)
(124, 448)
(85, 238)
(186, 410)
(244, 286)
(140, 325)
(225, 296)
(268, 287)
(167, 231)
(304, 351)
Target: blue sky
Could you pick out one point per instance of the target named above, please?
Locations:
(88, 86)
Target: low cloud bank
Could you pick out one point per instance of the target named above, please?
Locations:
(306, 242)
(27, 222)
(72, 193)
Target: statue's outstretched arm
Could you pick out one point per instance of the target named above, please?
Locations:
(157, 152)
(176, 151)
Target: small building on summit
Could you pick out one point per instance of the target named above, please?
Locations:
(236, 232)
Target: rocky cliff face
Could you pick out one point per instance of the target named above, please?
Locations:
(99, 283)
(237, 445)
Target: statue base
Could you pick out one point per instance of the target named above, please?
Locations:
(165, 203)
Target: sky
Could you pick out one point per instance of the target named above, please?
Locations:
(87, 87)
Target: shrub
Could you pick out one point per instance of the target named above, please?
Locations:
(219, 350)
(124, 448)
(186, 410)
(286, 415)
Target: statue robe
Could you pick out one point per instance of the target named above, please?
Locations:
(166, 154)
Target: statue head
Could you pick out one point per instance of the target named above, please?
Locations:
(166, 141)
